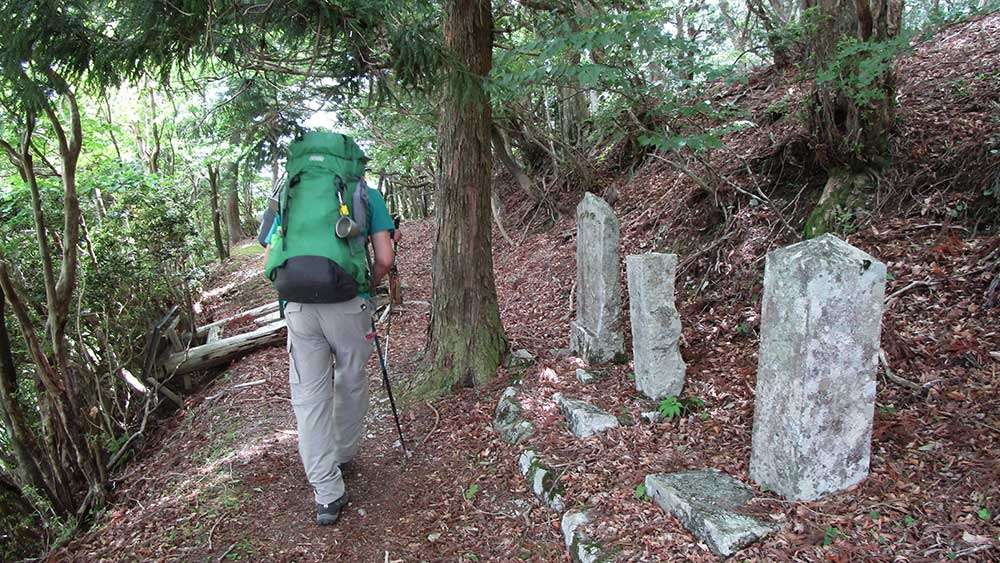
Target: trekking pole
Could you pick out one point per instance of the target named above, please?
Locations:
(385, 370)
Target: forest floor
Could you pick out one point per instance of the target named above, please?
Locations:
(222, 478)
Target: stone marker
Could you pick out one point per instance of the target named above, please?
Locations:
(705, 501)
(542, 480)
(820, 323)
(596, 334)
(584, 419)
(656, 326)
(508, 419)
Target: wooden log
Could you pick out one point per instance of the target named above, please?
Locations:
(268, 318)
(214, 334)
(222, 351)
(264, 309)
(171, 331)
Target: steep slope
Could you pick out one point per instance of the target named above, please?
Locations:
(934, 458)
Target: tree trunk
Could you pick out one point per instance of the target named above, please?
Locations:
(22, 440)
(233, 205)
(466, 340)
(213, 184)
(850, 133)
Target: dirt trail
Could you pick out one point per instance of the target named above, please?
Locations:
(222, 479)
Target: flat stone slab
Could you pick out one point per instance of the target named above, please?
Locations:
(581, 548)
(542, 480)
(706, 502)
(584, 419)
(508, 419)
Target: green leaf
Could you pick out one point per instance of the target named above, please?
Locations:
(984, 514)
(670, 407)
(875, 514)
(831, 534)
(909, 520)
(470, 493)
(640, 492)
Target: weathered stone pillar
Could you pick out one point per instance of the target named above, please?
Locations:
(656, 326)
(820, 325)
(596, 334)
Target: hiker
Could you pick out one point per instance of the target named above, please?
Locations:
(317, 259)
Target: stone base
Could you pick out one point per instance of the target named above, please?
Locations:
(594, 348)
(706, 501)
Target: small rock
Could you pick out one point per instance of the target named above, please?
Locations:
(520, 359)
(508, 418)
(584, 419)
(542, 480)
(652, 417)
(433, 537)
(361, 512)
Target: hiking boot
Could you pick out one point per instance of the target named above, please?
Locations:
(346, 467)
(327, 514)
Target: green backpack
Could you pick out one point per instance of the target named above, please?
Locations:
(308, 262)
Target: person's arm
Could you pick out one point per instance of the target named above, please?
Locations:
(275, 223)
(382, 245)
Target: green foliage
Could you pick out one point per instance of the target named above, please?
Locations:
(641, 494)
(831, 534)
(887, 410)
(859, 68)
(471, 491)
(671, 407)
(984, 514)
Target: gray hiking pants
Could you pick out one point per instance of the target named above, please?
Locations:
(327, 352)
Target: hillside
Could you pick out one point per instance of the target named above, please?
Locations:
(222, 479)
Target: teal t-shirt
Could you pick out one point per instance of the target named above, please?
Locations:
(378, 219)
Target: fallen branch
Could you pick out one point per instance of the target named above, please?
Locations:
(437, 420)
(891, 299)
(887, 371)
(235, 387)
